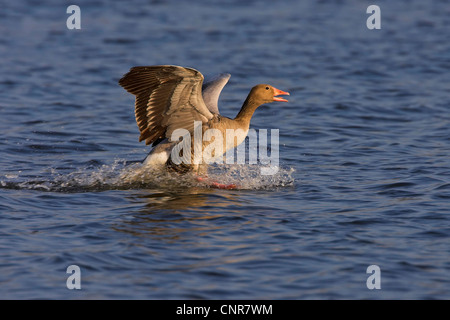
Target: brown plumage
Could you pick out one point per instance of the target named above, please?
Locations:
(170, 97)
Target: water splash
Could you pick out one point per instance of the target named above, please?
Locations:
(121, 175)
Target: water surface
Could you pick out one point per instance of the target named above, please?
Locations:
(364, 153)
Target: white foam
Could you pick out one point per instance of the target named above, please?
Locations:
(119, 175)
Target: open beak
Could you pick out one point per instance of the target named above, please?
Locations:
(277, 93)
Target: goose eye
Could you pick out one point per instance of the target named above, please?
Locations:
(267, 88)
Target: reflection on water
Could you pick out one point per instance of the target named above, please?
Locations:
(170, 214)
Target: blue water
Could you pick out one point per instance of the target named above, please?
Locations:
(364, 173)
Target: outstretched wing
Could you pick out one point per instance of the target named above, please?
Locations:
(211, 91)
(167, 98)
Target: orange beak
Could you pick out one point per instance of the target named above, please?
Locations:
(277, 92)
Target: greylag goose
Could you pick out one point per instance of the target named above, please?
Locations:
(171, 98)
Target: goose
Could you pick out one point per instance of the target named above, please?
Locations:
(172, 98)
